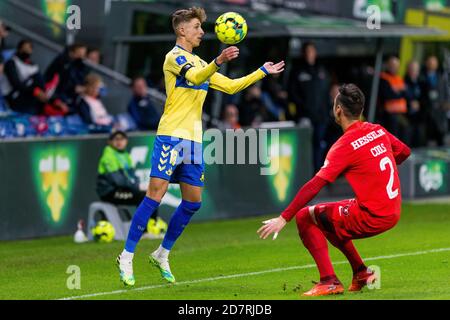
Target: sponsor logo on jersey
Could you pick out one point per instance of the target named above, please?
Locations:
(173, 157)
(181, 60)
(344, 210)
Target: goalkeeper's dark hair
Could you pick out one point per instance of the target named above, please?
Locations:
(186, 15)
(351, 99)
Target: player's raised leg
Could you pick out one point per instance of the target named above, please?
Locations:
(190, 204)
(156, 190)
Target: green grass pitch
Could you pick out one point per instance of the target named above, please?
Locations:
(226, 260)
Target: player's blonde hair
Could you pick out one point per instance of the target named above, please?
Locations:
(186, 15)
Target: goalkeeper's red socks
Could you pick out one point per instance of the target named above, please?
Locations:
(316, 243)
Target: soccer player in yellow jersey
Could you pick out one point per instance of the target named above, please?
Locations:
(177, 152)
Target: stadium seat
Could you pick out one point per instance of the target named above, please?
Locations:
(114, 214)
(40, 125)
(3, 107)
(75, 125)
(22, 126)
(94, 128)
(56, 126)
(6, 128)
(8, 54)
(126, 122)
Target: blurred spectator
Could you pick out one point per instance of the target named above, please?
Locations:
(89, 105)
(2, 101)
(94, 55)
(141, 108)
(276, 95)
(116, 174)
(435, 100)
(4, 32)
(252, 109)
(416, 113)
(230, 118)
(24, 85)
(65, 75)
(309, 87)
(117, 182)
(334, 131)
(56, 107)
(62, 62)
(392, 98)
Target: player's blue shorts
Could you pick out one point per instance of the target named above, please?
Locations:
(178, 160)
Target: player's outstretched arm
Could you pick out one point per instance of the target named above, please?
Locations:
(274, 226)
(305, 195)
(231, 86)
(178, 65)
(274, 68)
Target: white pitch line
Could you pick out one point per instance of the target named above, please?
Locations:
(307, 266)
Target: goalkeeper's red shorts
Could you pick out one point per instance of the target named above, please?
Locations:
(348, 220)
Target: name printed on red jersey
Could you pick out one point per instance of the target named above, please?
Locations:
(371, 136)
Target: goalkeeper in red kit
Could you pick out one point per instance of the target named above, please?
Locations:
(367, 155)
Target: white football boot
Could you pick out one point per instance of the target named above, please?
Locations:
(162, 263)
(125, 265)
